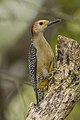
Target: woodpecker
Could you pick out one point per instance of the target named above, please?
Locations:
(41, 58)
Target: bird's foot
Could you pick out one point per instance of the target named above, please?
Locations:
(51, 76)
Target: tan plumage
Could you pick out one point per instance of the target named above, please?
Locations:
(44, 62)
(45, 54)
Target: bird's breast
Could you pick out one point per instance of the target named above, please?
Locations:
(44, 58)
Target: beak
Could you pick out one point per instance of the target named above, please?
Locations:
(53, 22)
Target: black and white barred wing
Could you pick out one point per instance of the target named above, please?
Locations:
(32, 62)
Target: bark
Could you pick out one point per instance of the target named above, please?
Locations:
(65, 91)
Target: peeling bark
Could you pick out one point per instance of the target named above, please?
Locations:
(65, 91)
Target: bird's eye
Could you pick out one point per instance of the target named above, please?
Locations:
(41, 23)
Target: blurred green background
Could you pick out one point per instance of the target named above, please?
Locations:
(16, 17)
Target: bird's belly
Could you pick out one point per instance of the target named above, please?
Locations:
(43, 64)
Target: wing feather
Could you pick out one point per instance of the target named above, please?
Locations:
(32, 62)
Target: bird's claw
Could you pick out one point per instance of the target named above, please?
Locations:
(51, 76)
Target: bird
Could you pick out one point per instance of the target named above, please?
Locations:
(41, 59)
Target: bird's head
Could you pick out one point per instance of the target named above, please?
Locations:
(39, 25)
